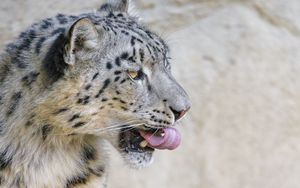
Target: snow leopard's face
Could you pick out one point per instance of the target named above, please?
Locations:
(124, 87)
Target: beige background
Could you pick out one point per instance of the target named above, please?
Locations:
(240, 63)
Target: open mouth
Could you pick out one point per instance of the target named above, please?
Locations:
(146, 140)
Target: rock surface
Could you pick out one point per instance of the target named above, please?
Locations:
(239, 61)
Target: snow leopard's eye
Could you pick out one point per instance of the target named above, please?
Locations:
(136, 75)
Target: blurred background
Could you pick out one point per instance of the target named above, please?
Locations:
(239, 61)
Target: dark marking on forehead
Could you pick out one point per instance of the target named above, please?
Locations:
(117, 72)
(118, 61)
(132, 41)
(14, 102)
(39, 44)
(124, 55)
(30, 78)
(117, 78)
(104, 100)
(142, 55)
(132, 59)
(133, 52)
(124, 80)
(105, 84)
(139, 40)
(95, 76)
(46, 129)
(79, 124)
(109, 65)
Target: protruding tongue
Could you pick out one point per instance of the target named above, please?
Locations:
(170, 139)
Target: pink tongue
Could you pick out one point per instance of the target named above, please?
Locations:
(170, 140)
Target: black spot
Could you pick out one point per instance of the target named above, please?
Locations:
(117, 72)
(39, 44)
(140, 40)
(5, 159)
(62, 19)
(125, 32)
(104, 100)
(95, 76)
(124, 55)
(79, 124)
(74, 117)
(108, 65)
(28, 123)
(46, 129)
(124, 108)
(132, 41)
(83, 100)
(149, 87)
(132, 59)
(46, 24)
(80, 179)
(118, 92)
(124, 80)
(142, 54)
(117, 78)
(86, 99)
(106, 83)
(118, 61)
(14, 102)
(30, 78)
(89, 153)
(134, 52)
(53, 64)
(88, 87)
(61, 110)
(121, 101)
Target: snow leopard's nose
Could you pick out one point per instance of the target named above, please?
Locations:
(179, 114)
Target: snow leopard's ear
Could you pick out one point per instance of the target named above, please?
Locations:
(115, 5)
(81, 36)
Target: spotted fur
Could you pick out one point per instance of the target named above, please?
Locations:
(65, 88)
